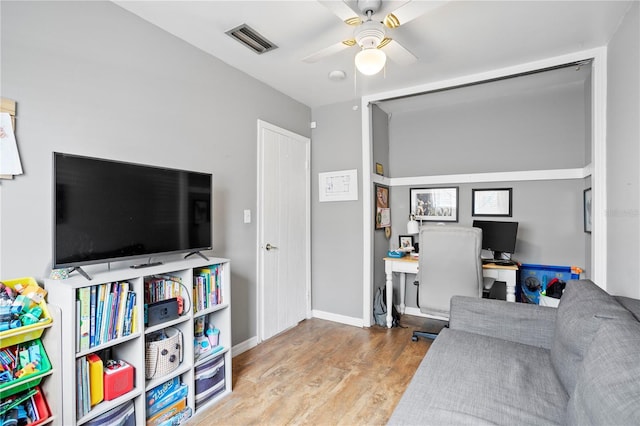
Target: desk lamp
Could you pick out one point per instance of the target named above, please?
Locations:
(413, 227)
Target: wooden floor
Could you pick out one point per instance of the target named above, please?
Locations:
(321, 373)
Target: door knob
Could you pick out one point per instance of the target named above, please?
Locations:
(269, 247)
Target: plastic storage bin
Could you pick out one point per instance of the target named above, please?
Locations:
(534, 279)
(34, 407)
(30, 380)
(209, 380)
(28, 332)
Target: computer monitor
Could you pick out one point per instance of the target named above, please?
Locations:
(499, 237)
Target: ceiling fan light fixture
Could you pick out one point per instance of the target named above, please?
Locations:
(370, 61)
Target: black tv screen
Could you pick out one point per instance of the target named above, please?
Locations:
(108, 211)
(499, 237)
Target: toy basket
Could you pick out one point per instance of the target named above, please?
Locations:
(163, 352)
(26, 332)
(29, 380)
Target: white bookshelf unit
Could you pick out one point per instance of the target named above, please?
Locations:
(131, 348)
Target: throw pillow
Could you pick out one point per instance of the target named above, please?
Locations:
(582, 309)
(608, 386)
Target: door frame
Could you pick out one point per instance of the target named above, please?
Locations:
(261, 124)
(596, 167)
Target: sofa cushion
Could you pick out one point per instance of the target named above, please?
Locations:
(583, 307)
(608, 386)
(469, 379)
(633, 305)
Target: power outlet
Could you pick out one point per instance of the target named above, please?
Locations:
(247, 216)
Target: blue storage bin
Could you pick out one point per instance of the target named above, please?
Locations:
(534, 279)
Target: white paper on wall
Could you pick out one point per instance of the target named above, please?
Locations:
(9, 157)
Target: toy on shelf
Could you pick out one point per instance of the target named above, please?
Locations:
(206, 337)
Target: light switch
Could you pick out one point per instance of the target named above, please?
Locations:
(247, 216)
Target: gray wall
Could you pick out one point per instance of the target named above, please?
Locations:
(550, 229)
(380, 147)
(90, 78)
(623, 157)
(543, 129)
(537, 130)
(336, 227)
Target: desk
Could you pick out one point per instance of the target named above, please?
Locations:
(409, 265)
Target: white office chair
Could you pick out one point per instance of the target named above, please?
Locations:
(449, 265)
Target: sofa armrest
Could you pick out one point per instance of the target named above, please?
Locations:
(517, 322)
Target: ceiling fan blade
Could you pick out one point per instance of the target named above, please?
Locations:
(410, 11)
(327, 51)
(398, 53)
(342, 11)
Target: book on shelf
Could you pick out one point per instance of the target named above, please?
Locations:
(109, 317)
(79, 401)
(130, 304)
(113, 318)
(123, 297)
(92, 313)
(207, 289)
(102, 318)
(78, 325)
(162, 287)
(134, 318)
(84, 296)
(83, 402)
(99, 306)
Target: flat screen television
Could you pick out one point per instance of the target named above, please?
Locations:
(107, 211)
(499, 237)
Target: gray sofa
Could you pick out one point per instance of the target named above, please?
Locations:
(517, 364)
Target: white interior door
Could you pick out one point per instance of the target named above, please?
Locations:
(283, 230)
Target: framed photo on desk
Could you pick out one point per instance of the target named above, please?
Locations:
(435, 204)
(406, 241)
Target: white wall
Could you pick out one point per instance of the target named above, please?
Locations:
(90, 78)
(623, 157)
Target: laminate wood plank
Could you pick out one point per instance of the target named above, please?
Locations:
(321, 373)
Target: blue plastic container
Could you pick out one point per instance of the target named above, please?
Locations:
(534, 279)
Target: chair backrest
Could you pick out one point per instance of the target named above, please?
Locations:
(449, 265)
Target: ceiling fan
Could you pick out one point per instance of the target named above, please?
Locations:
(371, 34)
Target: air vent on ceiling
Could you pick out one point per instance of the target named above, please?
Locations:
(251, 38)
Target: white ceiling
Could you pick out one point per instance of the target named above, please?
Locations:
(456, 38)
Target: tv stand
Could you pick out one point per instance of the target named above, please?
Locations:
(81, 272)
(198, 253)
(63, 388)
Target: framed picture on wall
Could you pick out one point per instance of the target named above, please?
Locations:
(434, 204)
(491, 202)
(587, 210)
(382, 212)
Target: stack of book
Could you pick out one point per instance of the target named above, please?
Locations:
(161, 287)
(106, 312)
(207, 289)
(167, 404)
